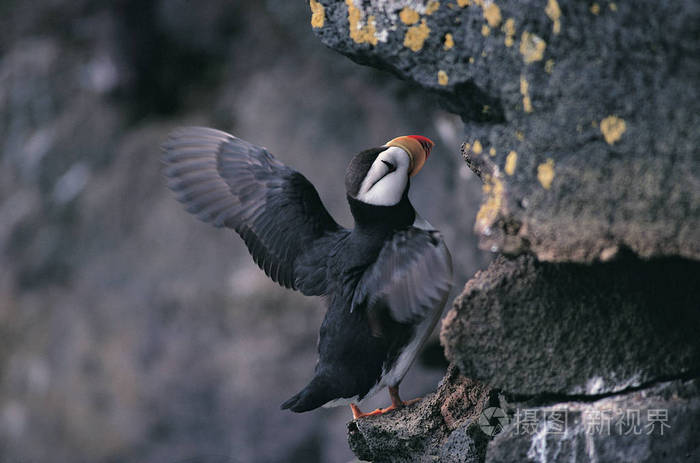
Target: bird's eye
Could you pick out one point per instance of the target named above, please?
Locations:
(389, 165)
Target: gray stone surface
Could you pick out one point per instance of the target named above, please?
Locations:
(658, 424)
(441, 427)
(533, 328)
(598, 102)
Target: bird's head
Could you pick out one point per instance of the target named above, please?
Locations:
(379, 176)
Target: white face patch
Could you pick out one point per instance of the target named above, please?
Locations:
(387, 178)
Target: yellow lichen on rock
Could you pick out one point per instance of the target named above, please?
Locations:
(449, 41)
(442, 77)
(525, 92)
(612, 128)
(613, 6)
(491, 208)
(545, 173)
(463, 3)
(359, 32)
(416, 35)
(492, 151)
(432, 7)
(492, 14)
(477, 148)
(549, 66)
(409, 16)
(485, 30)
(531, 47)
(595, 9)
(511, 162)
(509, 30)
(554, 12)
(318, 14)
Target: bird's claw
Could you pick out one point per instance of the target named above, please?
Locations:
(357, 413)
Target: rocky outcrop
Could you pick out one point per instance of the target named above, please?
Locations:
(533, 328)
(593, 360)
(441, 427)
(581, 116)
(581, 121)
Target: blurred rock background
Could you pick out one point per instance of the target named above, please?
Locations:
(130, 331)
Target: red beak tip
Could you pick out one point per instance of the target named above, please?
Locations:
(425, 142)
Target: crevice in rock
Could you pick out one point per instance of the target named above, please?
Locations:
(547, 398)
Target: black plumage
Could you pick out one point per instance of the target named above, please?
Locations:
(385, 280)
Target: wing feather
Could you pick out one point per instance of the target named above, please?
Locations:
(411, 277)
(229, 182)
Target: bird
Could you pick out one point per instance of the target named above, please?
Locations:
(385, 281)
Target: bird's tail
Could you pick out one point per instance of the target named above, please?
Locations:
(316, 393)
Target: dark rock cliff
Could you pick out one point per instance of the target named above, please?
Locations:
(582, 122)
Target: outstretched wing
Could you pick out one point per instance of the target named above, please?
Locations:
(229, 182)
(411, 277)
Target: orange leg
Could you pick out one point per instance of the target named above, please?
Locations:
(396, 402)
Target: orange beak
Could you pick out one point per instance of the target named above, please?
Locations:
(417, 147)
